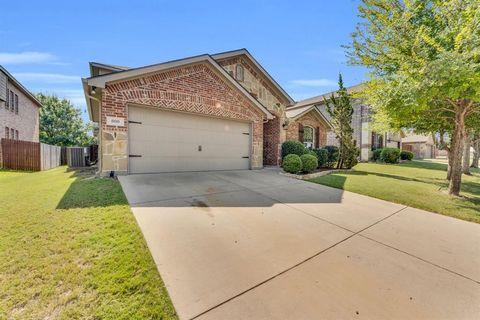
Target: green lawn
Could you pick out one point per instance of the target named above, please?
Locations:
(70, 249)
(419, 184)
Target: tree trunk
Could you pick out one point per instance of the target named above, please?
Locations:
(476, 153)
(466, 155)
(450, 157)
(340, 156)
(456, 150)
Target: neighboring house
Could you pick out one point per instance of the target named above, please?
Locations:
(19, 110)
(422, 146)
(366, 139)
(208, 112)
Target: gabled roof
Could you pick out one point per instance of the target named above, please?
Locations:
(320, 98)
(417, 138)
(234, 53)
(296, 113)
(95, 66)
(101, 80)
(20, 86)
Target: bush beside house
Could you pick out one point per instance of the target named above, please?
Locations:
(376, 154)
(322, 156)
(390, 155)
(292, 163)
(293, 147)
(309, 162)
(406, 155)
(332, 155)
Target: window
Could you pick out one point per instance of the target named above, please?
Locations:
(239, 72)
(12, 100)
(12, 133)
(377, 141)
(308, 134)
(16, 104)
(16, 134)
(7, 133)
(8, 100)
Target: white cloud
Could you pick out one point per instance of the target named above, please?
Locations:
(25, 57)
(315, 83)
(46, 77)
(76, 96)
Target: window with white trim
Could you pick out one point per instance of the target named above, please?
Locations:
(308, 137)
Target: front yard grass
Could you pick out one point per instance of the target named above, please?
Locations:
(419, 184)
(70, 249)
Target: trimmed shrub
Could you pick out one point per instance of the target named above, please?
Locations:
(376, 154)
(390, 155)
(332, 155)
(313, 153)
(309, 162)
(293, 147)
(322, 155)
(406, 155)
(292, 163)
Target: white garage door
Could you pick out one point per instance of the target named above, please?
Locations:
(163, 141)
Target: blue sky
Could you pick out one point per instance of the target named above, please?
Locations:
(47, 44)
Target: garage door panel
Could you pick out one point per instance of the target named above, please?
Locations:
(169, 142)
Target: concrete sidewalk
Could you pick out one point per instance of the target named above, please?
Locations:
(258, 245)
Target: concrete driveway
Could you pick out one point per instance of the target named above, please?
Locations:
(258, 245)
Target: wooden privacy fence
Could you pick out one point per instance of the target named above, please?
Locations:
(21, 155)
(27, 155)
(81, 156)
(49, 156)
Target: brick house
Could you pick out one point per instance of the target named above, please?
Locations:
(422, 146)
(19, 110)
(366, 139)
(209, 112)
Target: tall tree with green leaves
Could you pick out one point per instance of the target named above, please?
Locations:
(61, 123)
(340, 109)
(476, 151)
(424, 59)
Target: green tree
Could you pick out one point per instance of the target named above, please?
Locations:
(61, 123)
(424, 60)
(476, 151)
(340, 109)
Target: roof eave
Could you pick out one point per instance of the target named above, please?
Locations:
(313, 107)
(244, 51)
(21, 87)
(101, 81)
(86, 92)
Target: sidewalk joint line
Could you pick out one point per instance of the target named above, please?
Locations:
(421, 259)
(294, 266)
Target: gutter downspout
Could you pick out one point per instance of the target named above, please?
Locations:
(99, 171)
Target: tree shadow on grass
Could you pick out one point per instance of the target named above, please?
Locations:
(88, 191)
(470, 187)
(425, 165)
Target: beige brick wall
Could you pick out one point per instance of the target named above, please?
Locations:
(259, 86)
(27, 119)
